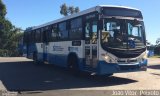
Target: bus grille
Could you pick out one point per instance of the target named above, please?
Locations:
(129, 67)
(127, 61)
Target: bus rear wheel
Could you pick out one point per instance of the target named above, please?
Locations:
(109, 75)
(73, 65)
(35, 59)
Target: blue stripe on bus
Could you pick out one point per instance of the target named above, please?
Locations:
(108, 68)
(61, 60)
(102, 66)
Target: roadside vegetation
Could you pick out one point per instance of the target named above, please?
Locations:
(155, 56)
(154, 48)
(157, 47)
(9, 35)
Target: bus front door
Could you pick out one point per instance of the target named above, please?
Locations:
(91, 44)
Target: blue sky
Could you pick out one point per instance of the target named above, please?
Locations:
(27, 13)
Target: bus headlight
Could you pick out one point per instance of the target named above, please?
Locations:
(107, 59)
(145, 56)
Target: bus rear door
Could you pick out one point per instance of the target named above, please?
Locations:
(91, 45)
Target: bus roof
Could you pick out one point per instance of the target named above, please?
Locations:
(116, 6)
(96, 8)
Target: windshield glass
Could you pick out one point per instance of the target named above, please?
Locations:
(122, 34)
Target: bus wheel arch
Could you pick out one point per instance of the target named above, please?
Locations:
(35, 56)
(72, 63)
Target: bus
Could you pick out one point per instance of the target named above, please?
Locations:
(101, 40)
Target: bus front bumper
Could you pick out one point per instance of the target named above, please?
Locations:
(109, 68)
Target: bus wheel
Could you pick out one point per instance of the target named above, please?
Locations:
(35, 58)
(104, 76)
(108, 75)
(73, 65)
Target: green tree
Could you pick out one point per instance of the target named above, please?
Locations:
(64, 9)
(16, 35)
(77, 10)
(68, 10)
(4, 32)
(9, 34)
(71, 10)
(157, 47)
(158, 42)
(3, 11)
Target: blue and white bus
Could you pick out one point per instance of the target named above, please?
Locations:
(101, 40)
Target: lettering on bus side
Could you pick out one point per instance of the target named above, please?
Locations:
(76, 43)
(57, 48)
(73, 49)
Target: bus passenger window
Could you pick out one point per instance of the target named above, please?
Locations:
(94, 32)
(76, 29)
(63, 32)
(87, 29)
(54, 33)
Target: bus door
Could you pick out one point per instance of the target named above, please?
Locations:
(91, 54)
(45, 46)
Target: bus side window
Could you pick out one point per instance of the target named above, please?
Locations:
(87, 29)
(37, 36)
(32, 36)
(76, 29)
(63, 32)
(25, 38)
(46, 34)
(54, 33)
(94, 32)
(41, 35)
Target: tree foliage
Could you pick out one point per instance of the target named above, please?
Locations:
(157, 47)
(9, 35)
(71, 10)
(3, 11)
(68, 10)
(64, 9)
(77, 10)
(158, 42)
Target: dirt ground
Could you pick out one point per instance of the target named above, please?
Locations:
(21, 75)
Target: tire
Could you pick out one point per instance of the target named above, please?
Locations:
(73, 65)
(108, 75)
(104, 76)
(35, 60)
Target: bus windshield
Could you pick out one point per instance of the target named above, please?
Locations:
(123, 34)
